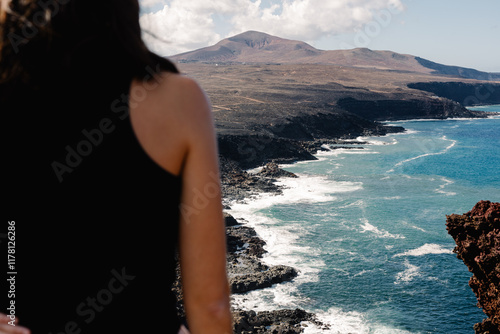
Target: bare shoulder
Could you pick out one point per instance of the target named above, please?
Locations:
(170, 94)
(167, 112)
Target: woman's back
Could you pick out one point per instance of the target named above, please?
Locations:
(97, 218)
(112, 169)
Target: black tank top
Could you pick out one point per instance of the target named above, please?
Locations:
(96, 219)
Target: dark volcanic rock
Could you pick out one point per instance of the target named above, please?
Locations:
(263, 279)
(468, 94)
(297, 139)
(272, 170)
(430, 108)
(244, 240)
(245, 271)
(251, 151)
(272, 322)
(238, 185)
(477, 235)
(229, 220)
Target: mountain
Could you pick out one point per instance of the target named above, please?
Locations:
(258, 47)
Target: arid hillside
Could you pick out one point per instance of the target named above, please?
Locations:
(258, 47)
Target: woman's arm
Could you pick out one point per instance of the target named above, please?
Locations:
(202, 237)
(174, 125)
(6, 328)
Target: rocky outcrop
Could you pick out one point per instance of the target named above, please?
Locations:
(245, 270)
(273, 322)
(263, 279)
(477, 235)
(229, 220)
(239, 185)
(272, 170)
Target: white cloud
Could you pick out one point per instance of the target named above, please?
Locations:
(150, 3)
(190, 24)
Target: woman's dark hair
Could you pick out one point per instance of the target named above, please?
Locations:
(38, 36)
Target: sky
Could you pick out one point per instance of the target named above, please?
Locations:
(462, 33)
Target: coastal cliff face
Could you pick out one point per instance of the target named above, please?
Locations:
(477, 235)
(467, 94)
(415, 108)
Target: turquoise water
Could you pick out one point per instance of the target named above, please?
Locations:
(366, 228)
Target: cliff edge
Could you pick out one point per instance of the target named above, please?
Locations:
(477, 235)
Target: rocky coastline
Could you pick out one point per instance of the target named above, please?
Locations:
(477, 236)
(263, 121)
(246, 270)
(245, 248)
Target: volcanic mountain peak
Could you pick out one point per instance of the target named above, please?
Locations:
(260, 40)
(253, 39)
(259, 47)
(251, 46)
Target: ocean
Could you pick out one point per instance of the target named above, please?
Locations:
(365, 227)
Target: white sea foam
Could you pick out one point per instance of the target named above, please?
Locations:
(408, 274)
(338, 151)
(414, 120)
(313, 189)
(283, 242)
(438, 280)
(446, 149)
(283, 248)
(358, 203)
(340, 322)
(379, 141)
(367, 227)
(406, 132)
(391, 197)
(443, 186)
(254, 170)
(425, 250)
(414, 227)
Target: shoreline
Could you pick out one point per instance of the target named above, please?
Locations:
(243, 181)
(246, 249)
(248, 271)
(248, 319)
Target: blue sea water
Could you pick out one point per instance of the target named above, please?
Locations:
(366, 228)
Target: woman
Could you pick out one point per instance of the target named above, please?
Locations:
(112, 171)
